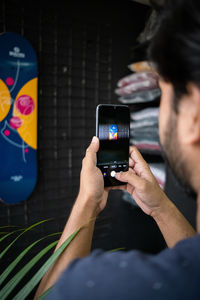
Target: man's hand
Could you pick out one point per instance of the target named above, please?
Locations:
(142, 185)
(91, 181)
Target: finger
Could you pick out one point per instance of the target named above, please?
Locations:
(131, 163)
(140, 165)
(92, 151)
(131, 148)
(132, 170)
(129, 177)
(135, 155)
(121, 187)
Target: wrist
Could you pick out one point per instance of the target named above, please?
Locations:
(87, 204)
(165, 208)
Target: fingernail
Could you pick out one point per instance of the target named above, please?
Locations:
(94, 139)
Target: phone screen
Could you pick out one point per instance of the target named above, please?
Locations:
(113, 123)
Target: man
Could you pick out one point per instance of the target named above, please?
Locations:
(175, 272)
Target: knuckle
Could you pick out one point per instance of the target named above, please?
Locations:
(132, 148)
(88, 149)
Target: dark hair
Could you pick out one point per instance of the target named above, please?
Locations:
(175, 47)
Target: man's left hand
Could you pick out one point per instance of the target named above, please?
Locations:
(91, 180)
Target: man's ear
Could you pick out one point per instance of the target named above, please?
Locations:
(190, 115)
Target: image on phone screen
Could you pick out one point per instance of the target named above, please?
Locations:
(113, 126)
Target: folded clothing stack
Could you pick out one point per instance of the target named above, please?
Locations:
(139, 87)
(139, 90)
(140, 97)
(144, 129)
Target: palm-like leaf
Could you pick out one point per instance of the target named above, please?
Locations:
(29, 228)
(12, 265)
(8, 288)
(25, 291)
(13, 282)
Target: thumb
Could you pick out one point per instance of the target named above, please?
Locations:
(129, 177)
(92, 150)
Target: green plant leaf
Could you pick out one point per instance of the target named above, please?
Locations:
(5, 236)
(117, 249)
(12, 265)
(25, 291)
(8, 288)
(44, 294)
(8, 226)
(8, 247)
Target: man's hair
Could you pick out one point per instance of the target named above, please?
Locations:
(175, 47)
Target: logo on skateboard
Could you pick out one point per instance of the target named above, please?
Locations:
(16, 53)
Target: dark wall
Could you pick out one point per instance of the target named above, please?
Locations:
(83, 49)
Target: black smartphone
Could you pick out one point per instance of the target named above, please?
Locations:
(113, 130)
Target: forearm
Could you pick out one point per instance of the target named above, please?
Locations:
(82, 215)
(172, 224)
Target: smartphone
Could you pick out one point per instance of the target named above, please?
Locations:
(113, 131)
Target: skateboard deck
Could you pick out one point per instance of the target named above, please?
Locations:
(18, 118)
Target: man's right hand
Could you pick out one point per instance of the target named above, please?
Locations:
(142, 185)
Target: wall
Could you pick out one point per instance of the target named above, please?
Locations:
(83, 49)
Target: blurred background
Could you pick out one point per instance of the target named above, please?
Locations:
(84, 48)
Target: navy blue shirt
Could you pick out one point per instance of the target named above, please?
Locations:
(171, 274)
